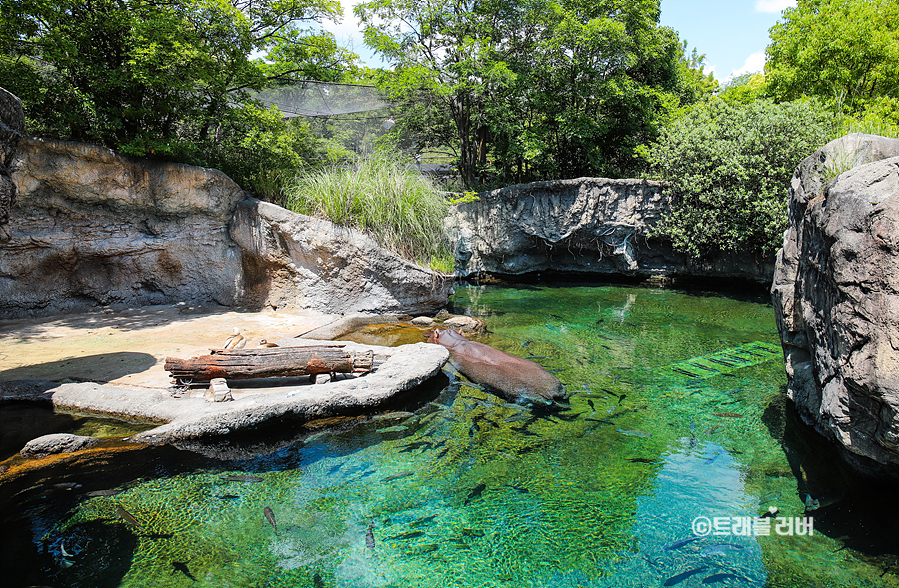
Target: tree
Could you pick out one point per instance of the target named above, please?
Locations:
(151, 77)
(549, 89)
(728, 166)
(446, 64)
(845, 52)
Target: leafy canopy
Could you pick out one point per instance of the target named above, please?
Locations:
(845, 52)
(531, 89)
(728, 166)
(168, 78)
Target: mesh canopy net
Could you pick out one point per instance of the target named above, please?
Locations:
(308, 98)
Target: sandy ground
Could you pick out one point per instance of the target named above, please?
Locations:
(128, 347)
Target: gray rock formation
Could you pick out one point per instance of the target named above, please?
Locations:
(293, 259)
(57, 443)
(836, 295)
(12, 125)
(92, 228)
(587, 225)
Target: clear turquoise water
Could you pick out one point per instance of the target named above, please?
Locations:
(468, 490)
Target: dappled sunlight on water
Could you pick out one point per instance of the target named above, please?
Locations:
(676, 411)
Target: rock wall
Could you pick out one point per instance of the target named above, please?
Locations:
(836, 296)
(586, 225)
(92, 228)
(12, 125)
(293, 259)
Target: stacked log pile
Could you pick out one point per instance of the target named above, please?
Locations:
(237, 364)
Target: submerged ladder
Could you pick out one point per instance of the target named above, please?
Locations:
(723, 362)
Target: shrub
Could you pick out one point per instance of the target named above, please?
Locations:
(729, 167)
(380, 195)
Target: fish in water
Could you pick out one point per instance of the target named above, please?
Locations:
(128, 517)
(475, 492)
(641, 460)
(393, 477)
(680, 543)
(422, 521)
(109, 492)
(409, 535)
(270, 517)
(511, 375)
(393, 429)
(732, 415)
(634, 432)
(370, 537)
(181, 566)
(228, 496)
(590, 404)
(821, 502)
(721, 548)
(719, 577)
(241, 478)
(317, 581)
(677, 579)
(472, 532)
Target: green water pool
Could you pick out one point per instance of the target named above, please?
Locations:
(677, 414)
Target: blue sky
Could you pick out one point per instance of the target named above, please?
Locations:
(733, 34)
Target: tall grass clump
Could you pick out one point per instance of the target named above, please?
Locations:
(380, 195)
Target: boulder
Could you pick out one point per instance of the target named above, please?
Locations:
(93, 228)
(585, 225)
(467, 325)
(312, 263)
(836, 297)
(12, 125)
(57, 443)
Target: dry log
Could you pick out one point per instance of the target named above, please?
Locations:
(236, 364)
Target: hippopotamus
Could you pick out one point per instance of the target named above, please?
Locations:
(514, 377)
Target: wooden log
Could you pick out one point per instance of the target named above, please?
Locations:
(237, 364)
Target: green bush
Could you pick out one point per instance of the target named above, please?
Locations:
(729, 167)
(380, 195)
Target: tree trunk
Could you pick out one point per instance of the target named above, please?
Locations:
(269, 363)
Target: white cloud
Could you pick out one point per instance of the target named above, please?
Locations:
(774, 6)
(754, 63)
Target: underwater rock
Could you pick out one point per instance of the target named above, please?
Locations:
(57, 443)
(424, 321)
(513, 376)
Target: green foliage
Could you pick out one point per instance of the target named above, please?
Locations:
(729, 167)
(530, 89)
(845, 52)
(169, 79)
(695, 83)
(384, 197)
(744, 89)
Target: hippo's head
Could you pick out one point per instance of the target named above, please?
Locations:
(446, 337)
